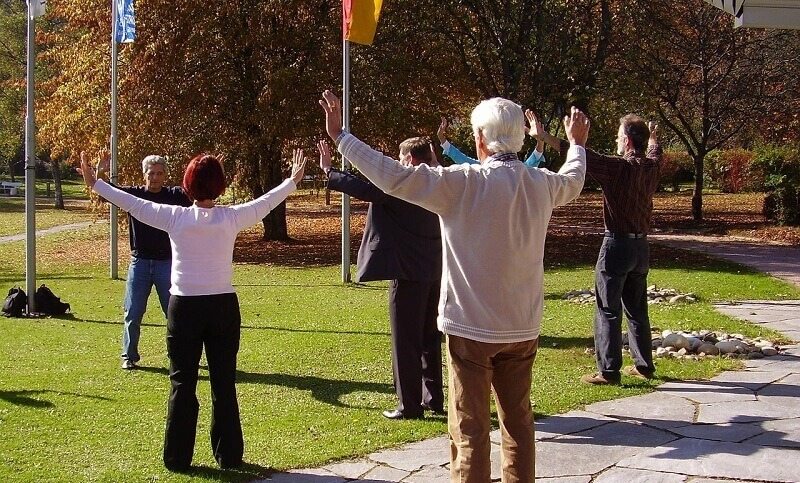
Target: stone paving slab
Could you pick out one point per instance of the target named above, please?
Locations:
(566, 479)
(734, 433)
(351, 469)
(568, 423)
(430, 474)
(591, 451)
(745, 412)
(407, 458)
(627, 475)
(707, 392)
(717, 480)
(752, 380)
(308, 475)
(386, 473)
(654, 409)
(713, 459)
(781, 433)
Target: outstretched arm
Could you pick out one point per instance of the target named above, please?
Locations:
(250, 213)
(346, 182)
(156, 215)
(435, 189)
(537, 131)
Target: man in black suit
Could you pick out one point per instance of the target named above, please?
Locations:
(402, 244)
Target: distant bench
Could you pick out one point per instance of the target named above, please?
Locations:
(9, 188)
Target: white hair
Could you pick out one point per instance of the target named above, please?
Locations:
(149, 161)
(502, 124)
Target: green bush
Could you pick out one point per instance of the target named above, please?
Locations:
(781, 168)
(676, 167)
(732, 171)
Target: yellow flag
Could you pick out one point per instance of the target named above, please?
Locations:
(360, 20)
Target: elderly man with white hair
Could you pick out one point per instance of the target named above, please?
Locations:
(151, 254)
(494, 220)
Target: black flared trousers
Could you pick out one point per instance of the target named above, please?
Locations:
(194, 322)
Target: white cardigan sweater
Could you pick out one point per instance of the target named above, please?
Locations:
(494, 220)
(202, 239)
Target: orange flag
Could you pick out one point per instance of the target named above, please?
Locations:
(360, 20)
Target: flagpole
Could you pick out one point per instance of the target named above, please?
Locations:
(30, 169)
(114, 228)
(345, 163)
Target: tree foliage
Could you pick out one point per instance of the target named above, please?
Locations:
(708, 80)
(242, 77)
(12, 79)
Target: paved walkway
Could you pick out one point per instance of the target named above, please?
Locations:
(48, 231)
(741, 426)
(777, 260)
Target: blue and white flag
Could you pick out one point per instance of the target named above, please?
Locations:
(126, 24)
(36, 8)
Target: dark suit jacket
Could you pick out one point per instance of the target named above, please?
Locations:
(401, 240)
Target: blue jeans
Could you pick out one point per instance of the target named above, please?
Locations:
(143, 273)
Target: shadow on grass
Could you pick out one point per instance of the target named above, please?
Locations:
(316, 331)
(19, 278)
(246, 472)
(328, 391)
(555, 342)
(23, 398)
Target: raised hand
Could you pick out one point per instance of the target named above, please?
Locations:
(536, 129)
(298, 166)
(333, 114)
(104, 165)
(87, 171)
(576, 125)
(441, 133)
(325, 162)
(653, 133)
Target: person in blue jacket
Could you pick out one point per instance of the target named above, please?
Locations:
(535, 159)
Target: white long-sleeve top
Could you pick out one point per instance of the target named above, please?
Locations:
(494, 220)
(202, 239)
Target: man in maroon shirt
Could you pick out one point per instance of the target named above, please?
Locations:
(628, 182)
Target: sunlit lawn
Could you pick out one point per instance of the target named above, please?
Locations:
(314, 366)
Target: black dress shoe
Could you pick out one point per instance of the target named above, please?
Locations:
(397, 414)
(438, 410)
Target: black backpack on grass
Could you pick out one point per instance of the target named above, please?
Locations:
(48, 303)
(16, 303)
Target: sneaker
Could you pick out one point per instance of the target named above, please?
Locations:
(634, 372)
(128, 365)
(597, 379)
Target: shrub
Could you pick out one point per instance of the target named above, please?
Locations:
(738, 171)
(781, 168)
(676, 167)
(732, 171)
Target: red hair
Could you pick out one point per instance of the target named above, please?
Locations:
(204, 178)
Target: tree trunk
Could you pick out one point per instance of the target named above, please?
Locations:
(697, 194)
(55, 167)
(275, 222)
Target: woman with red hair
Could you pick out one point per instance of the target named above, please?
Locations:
(203, 307)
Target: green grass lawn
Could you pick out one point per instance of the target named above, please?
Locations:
(12, 215)
(72, 188)
(314, 366)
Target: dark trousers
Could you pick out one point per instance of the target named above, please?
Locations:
(416, 345)
(212, 321)
(621, 284)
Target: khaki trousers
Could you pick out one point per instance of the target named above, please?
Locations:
(475, 370)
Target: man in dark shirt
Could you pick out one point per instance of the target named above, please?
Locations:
(628, 182)
(151, 254)
(402, 243)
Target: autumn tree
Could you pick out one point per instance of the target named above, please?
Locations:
(708, 81)
(541, 53)
(12, 80)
